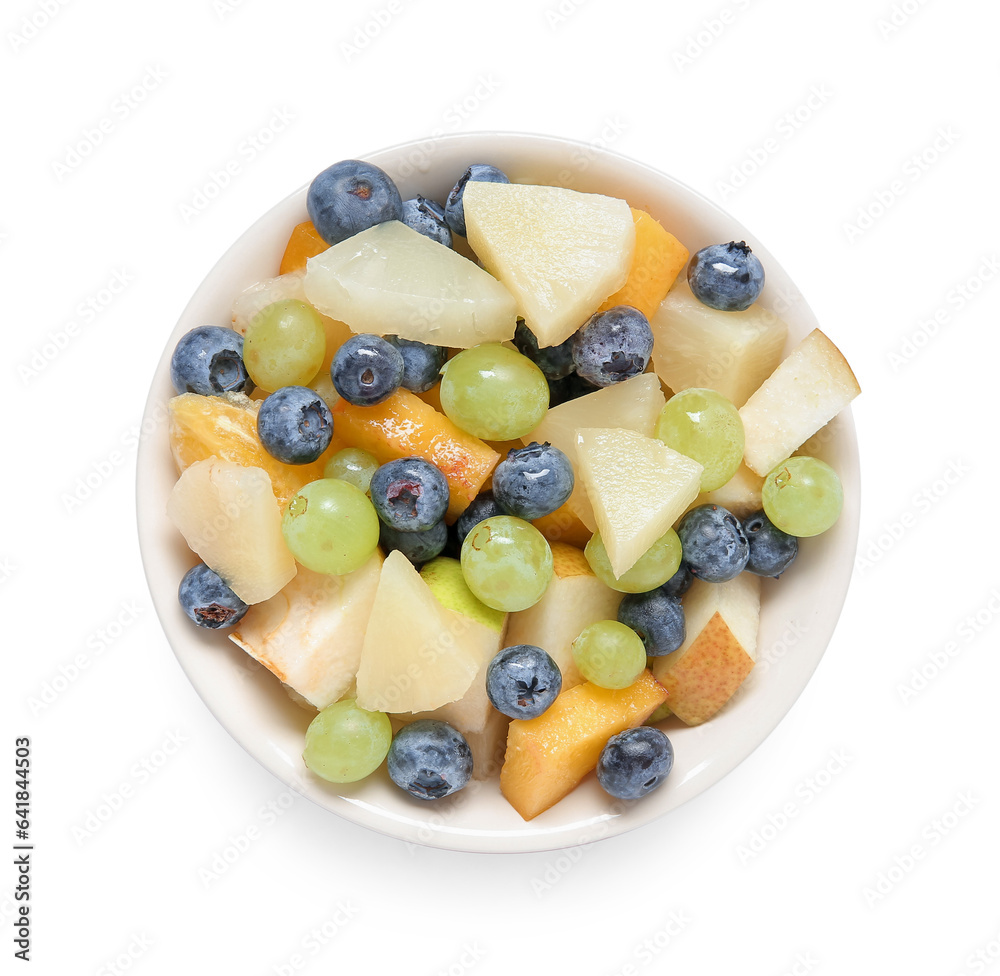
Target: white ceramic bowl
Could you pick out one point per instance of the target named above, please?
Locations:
(799, 611)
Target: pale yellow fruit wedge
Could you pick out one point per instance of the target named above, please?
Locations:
(740, 494)
(391, 280)
(638, 487)
(559, 252)
(730, 352)
(417, 655)
(311, 633)
(229, 516)
(574, 599)
(721, 622)
(634, 404)
(810, 387)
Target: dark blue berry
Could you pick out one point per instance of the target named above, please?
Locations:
(208, 600)
(367, 370)
(680, 582)
(409, 494)
(656, 617)
(454, 211)
(771, 550)
(569, 388)
(726, 276)
(533, 481)
(429, 759)
(613, 346)
(482, 507)
(421, 363)
(349, 197)
(555, 362)
(714, 546)
(418, 547)
(427, 218)
(522, 681)
(635, 762)
(295, 425)
(209, 360)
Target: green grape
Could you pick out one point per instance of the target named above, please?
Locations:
(802, 496)
(609, 654)
(507, 563)
(345, 743)
(704, 426)
(284, 345)
(330, 526)
(352, 465)
(493, 392)
(652, 569)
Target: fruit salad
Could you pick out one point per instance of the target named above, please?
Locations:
(490, 483)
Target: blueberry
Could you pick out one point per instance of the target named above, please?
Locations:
(522, 681)
(714, 546)
(209, 360)
(656, 617)
(482, 507)
(367, 370)
(427, 217)
(454, 212)
(295, 425)
(771, 550)
(421, 363)
(351, 196)
(429, 759)
(635, 762)
(680, 582)
(726, 276)
(409, 494)
(208, 600)
(613, 346)
(418, 547)
(555, 362)
(569, 388)
(533, 481)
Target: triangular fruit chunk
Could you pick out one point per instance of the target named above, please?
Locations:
(638, 487)
(559, 252)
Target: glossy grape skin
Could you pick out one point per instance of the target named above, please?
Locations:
(331, 527)
(609, 654)
(652, 569)
(507, 563)
(704, 426)
(802, 496)
(493, 392)
(346, 743)
(353, 465)
(284, 345)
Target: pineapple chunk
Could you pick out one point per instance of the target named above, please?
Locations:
(811, 386)
(730, 352)
(638, 487)
(547, 756)
(391, 280)
(229, 516)
(559, 252)
(310, 634)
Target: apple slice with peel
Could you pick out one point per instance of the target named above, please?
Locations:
(810, 387)
(721, 621)
(311, 633)
(638, 487)
(574, 599)
(559, 252)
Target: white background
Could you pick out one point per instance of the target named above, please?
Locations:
(834, 112)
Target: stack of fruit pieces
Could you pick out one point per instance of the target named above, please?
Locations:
(456, 508)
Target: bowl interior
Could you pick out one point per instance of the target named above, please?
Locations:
(250, 703)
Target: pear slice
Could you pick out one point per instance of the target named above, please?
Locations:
(559, 252)
(638, 487)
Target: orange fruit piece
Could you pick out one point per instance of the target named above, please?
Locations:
(225, 427)
(405, 426)
(547, 756)
(304, 243)
(562, 525)
(658, 258)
